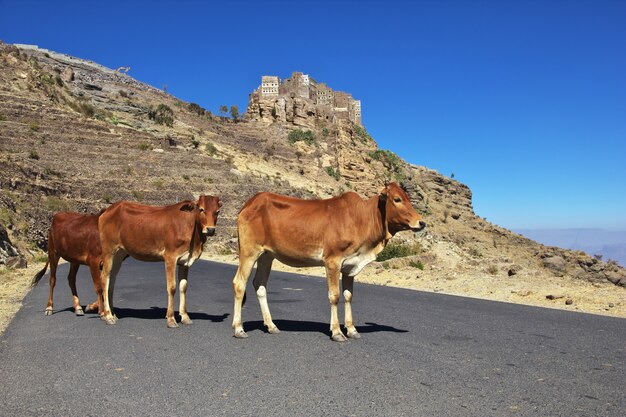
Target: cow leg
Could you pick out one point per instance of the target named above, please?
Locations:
(170, 276)
(246, 263)
(263, 268)
(103, 291)
(94, 268)
(110, 267)
(115, 268)
(71, 279)
(332, 278)
(347, 283)
(53, 258)
(183, 271)
(93, 307)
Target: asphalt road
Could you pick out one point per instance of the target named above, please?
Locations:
(421, 354)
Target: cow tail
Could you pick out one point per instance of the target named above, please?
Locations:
(40, 274)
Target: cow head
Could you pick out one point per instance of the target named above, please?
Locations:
(208, 207)
(399, 212)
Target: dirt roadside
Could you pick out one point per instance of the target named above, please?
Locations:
(604, 299)
(14, 285)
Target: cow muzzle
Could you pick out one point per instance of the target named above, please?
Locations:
(209, 231)
(420, 226)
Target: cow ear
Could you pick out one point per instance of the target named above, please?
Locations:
(187, 207)
(382, 195)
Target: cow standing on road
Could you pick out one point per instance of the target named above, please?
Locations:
(343, 234)
(175, 234)
(75, 238)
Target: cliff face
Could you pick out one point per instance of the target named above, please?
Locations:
(77, 136)
(296, 111)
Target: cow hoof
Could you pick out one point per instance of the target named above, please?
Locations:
(110, 320)
(91, 308)
(186, 320)
(48, 312)
(354, 335)
(79, 312)
(241, 335)
(339, 337)
(172, 324)
(273, 330)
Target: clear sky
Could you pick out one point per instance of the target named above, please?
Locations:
(523, 101)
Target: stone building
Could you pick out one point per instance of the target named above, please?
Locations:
(333, 105)
(356, 111)
(325, 95)
(269, 85)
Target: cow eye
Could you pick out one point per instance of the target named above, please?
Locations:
(201, 210)
(397, 200)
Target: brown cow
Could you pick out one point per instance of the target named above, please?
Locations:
(75, 238)
(344, 234)
(175, 234)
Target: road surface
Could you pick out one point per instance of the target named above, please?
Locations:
(421, 354)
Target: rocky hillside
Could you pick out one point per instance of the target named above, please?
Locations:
(77, 136)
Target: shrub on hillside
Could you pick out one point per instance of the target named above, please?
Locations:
(162, 115)
(398, 250)
(362, 134)
(418, 265)
(83, 108)
(333, 173)
(144, 146)
(196, 108)
(210, 149)
(391, 161)
(234, 112)
(55, 204)
(306, 136)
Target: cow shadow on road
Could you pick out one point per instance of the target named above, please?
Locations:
(319, 327)
(154, 313)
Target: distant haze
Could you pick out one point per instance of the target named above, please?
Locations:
(609, 244)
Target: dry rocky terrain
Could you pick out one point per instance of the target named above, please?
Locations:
(77, 136)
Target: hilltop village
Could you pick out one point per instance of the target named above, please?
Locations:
(301, 90)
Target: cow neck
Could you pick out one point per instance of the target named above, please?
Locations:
(196, 235)
(382, 226)
(392, 229)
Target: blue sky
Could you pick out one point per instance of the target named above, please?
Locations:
(523, 101)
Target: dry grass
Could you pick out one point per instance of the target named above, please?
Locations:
(14, 285)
